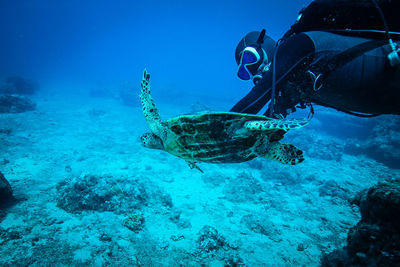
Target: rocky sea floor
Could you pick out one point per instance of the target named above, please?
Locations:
(89, 194)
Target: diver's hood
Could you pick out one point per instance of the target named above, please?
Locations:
(256, 39)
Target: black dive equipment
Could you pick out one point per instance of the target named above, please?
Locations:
(341, 59)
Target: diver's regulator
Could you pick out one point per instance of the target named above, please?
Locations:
(394, 56)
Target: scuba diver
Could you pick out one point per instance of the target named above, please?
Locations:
(342, 54)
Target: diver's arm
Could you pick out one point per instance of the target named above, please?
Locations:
(290, 53)
(259, 95)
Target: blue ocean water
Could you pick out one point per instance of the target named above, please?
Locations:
(189, 45)
(87, 192)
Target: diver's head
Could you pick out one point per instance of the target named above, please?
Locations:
(151, 140)
(253, 55)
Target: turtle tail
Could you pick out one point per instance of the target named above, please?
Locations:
(285, 153)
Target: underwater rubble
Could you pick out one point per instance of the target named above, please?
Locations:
(243, 187)
(377, 138)
(13, 95)
(375, 240)
(6, 196)
(137, 199)
(175, 217)
(382, 144)
(16, 85)
(335, 191)
(95, 220)
(15, 104)
(259, 223)
(211, 244)
(98, 201)
(99, 193)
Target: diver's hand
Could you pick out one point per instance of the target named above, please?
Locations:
(275, 115)
(280, 113)
(279, 116)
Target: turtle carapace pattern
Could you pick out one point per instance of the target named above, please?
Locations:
(218, 137)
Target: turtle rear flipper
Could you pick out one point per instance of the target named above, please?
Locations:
(285, 153)
(193, 165)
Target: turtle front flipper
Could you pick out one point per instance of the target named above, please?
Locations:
(285, 153)
(150, 110)
(271, 124)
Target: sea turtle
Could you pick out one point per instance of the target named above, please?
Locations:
(218, 137)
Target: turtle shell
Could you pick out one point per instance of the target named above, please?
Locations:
(216, 137)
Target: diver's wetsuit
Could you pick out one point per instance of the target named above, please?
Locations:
(289, 59)
(366, 84)
(355, 72)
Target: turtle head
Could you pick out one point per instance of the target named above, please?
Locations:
(151, 140)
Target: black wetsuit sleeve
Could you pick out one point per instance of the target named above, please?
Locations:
(290, 53)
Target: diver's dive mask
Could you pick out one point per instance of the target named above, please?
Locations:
(253, 62)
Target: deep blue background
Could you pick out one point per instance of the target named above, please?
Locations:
(189, 45)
